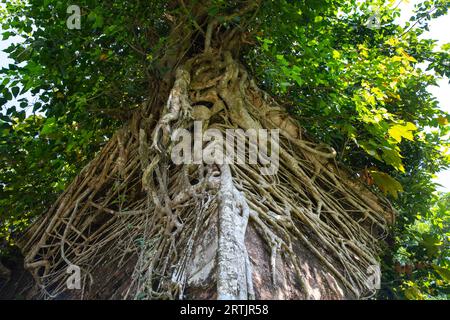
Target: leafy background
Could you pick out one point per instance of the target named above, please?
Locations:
(362, 90)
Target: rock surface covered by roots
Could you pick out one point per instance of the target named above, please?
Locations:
(141, 227)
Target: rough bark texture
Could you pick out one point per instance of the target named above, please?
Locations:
(234, 276)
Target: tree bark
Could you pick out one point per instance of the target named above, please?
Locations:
(141, 227)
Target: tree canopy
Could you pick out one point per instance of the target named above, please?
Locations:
(360, 88)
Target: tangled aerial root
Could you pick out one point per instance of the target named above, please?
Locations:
(132, 201)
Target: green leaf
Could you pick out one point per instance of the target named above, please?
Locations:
(397, 132)
(371, 148)
(7, 95)
(443, 272)
(386, 183)
(413, 293)
(392, 157)
(318, 19)
(49, 126)
(37, 106)
(431, 243)
(15, 91)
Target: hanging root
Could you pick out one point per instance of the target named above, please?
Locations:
(132, 209)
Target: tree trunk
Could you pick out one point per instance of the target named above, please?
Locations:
(140, 226)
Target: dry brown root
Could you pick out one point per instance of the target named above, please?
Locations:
(180, 225)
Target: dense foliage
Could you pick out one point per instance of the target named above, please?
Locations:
(360, 89)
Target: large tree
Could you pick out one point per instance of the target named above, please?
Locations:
(338, 79)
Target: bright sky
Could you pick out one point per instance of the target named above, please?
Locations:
(439, 30)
